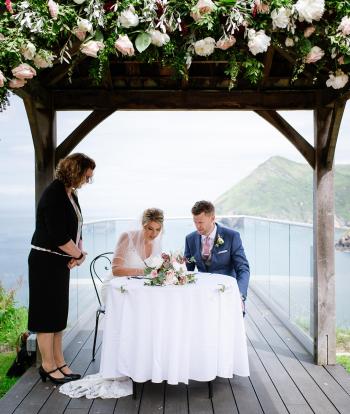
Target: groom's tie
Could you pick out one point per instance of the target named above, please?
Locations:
(206, 248)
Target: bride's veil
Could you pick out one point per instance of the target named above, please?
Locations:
(130, 249)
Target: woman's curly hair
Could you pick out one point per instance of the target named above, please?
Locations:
(72, 169)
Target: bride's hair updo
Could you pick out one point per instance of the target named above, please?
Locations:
(153, 214)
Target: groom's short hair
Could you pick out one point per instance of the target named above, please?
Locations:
(203, 206)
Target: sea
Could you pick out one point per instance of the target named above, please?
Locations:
(283, 271)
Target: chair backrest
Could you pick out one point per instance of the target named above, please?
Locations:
(101, 258)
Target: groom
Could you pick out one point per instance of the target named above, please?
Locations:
(216, 249)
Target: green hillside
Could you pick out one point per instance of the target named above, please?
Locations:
(282, 189)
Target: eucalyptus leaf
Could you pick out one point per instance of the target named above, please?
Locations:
(142, 41)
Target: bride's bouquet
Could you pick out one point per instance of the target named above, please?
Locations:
(168, 269)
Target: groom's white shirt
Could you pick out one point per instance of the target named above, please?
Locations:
(211, 239)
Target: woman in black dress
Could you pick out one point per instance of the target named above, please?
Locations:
(56, 248)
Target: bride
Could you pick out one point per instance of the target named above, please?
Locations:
(132, 249)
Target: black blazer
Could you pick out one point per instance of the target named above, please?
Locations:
(56, 219)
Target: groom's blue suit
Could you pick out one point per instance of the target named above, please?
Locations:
(227, 259)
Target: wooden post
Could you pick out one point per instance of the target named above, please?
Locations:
(324, 273)
(42, 123)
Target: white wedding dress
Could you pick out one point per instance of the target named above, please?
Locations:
(95, 386)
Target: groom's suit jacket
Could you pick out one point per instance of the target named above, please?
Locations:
(227, 259)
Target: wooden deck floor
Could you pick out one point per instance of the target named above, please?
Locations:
(283, 380)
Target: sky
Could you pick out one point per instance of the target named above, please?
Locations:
(166, 159)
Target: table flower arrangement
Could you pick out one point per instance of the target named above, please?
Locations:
(168, 269)
(37, 34)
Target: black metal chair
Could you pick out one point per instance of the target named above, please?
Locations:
(103, 257)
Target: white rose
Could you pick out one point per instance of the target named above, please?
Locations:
(28, 51)
(2, 79)
(310, 10)
(79, 1)
(154, 262)
(258, 42)
(128, 18)
(84, 25)
(124, 45)
(280, 17)
(337, 81)
(158, 38)
(204, 47)
(289, 42)
(2, 37)
(91, 48)
(344, 26)
(315, 54)
(43, 62)
(179, 267)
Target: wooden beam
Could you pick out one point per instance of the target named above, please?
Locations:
(43, 128)
(80, 133)
(267, 65)
(324, 273)
(87, 99)
(337, 116)
(291, 60)
(300, 143)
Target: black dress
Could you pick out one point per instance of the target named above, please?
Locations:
(56, 224)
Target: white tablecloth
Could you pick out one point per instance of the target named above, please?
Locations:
(174, 333)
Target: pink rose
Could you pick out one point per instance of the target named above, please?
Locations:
(91, 48)
(2, 79)
(202, 7)
(308, 31)
(154, 273)
(344, 26)
(182, 280)
(24, 71)
(8, 5)
(53, 9)
(80, 34)
(341, 60)
(124, 45)
(315, 54)
(262, 7)
(170, 277)
(226, 42)
(17, 83)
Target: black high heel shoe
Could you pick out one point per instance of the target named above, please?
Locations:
(72, 376)
(46, 374)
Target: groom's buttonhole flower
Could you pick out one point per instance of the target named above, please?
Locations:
(219, 241)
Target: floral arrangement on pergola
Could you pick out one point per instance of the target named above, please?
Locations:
(36, 34)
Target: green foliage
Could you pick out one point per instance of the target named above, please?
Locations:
(13, 320)
(6, 383)
(343, 339)
(253, 70)
(344, 360)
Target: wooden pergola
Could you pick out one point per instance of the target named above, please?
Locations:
(131, 85)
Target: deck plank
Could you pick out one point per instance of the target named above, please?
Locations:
(269, 398)
(152, 400)
(327, 395)
(223, 400)
(198, 398)
(280, 377)
(176, 401)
